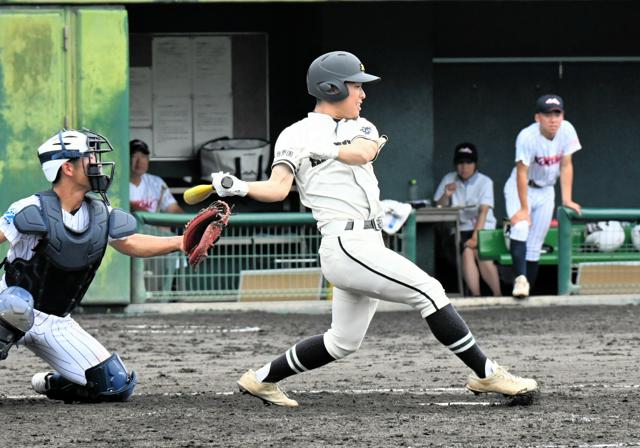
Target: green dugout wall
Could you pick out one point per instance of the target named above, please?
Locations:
(64, 66)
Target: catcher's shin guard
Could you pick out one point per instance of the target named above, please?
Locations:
(107, 381)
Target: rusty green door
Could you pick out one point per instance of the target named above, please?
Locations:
(64, 67)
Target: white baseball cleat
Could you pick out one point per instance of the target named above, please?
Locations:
(270, 393)
(502, 382)
(40, 382)
(520, 287)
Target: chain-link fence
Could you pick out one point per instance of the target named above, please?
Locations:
(261, 256)
(599, 251)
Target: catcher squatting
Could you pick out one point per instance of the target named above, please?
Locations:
(329, 154)
(57, 240)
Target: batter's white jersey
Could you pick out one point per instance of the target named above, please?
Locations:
(152, 194)
(543, 157)
(331, 189)
(343, 199)
(59, 341)
(471, 194)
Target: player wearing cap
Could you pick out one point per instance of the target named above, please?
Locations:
(544, 152)
(147, 192)
(329, 154)
(467, 187)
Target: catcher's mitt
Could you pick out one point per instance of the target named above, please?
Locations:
(202, 232)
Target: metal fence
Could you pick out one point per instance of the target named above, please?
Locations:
(261, 256)
(599, 251)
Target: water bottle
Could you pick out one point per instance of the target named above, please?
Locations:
(413, 190)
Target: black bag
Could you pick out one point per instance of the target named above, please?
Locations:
(245, 158)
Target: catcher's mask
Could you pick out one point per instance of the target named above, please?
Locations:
(69, 144)
(329, 73)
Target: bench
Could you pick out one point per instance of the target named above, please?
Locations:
(491, 246)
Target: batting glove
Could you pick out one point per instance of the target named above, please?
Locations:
(227, 184)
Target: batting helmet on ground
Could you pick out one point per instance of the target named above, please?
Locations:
(328, 74)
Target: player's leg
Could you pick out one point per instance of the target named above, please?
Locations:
(470, 271)
(366, 266)
(542, 205)
(83, 369)
(351, 315)
(518, 237)
(489, 273)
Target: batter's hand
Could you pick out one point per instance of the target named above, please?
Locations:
(573, 205)
(521, 215)
(223, 189)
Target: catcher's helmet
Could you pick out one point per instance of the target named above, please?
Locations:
(69, 144)
(328, 74)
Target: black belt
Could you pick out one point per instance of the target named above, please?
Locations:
(375, 224)
(534, 185)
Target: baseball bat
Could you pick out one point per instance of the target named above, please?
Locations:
(199, 193)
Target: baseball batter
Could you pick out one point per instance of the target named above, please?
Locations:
(544, 152)
(330, 155)
(57, 240)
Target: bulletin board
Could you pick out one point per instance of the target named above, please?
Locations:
(187, 89)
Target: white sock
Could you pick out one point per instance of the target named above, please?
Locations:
(489, 367)
(262, 372)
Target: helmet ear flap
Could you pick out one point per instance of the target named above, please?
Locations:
(337, 91)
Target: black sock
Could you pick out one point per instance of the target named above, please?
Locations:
(532, 272)
(308, 354)
(452, 331)
(518, 251)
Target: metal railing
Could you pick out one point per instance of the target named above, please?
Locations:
(260, 256)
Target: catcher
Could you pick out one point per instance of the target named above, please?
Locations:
(57, 240)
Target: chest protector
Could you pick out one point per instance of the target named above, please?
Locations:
(64, 261)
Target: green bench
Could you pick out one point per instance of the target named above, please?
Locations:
(491, 246)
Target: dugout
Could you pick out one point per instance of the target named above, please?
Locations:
(452, 71)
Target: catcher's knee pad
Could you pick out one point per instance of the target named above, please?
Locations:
(16, 317)
(107, 381)
(341, 346)
(519, 231)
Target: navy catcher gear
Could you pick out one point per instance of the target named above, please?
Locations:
(107, 381)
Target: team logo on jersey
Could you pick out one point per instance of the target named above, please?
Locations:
(548, 160)
(9, 216)
(366, 130)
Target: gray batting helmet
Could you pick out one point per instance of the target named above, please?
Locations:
(328, 74)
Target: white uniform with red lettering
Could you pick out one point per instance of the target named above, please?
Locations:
(152, 194)
(355, 261)
(60, 341)
(543, 157)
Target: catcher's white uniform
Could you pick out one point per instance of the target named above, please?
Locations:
(60, 341)
(353, 255)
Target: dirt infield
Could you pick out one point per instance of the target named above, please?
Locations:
(402, 389)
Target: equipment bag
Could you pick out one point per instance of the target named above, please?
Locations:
(245, 158)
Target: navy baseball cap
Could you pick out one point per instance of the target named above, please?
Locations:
(549, 103)
(465, 152)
